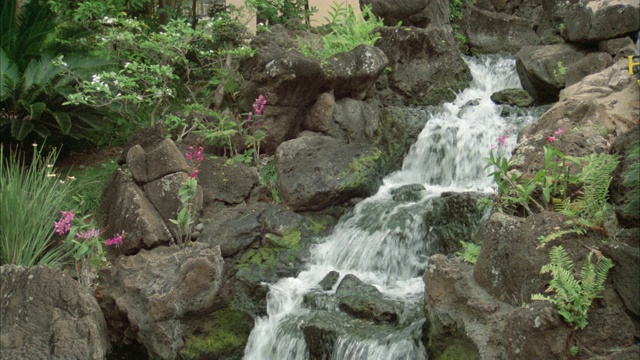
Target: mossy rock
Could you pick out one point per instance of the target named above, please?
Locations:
(224, 337)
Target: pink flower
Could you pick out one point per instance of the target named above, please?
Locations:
(64, 225)
(559, 132)
(89, 234)
(194, 174)
(502, 141)
(116, 240)
(551, 139)
(493, 146)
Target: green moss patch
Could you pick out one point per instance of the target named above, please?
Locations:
(226, 335)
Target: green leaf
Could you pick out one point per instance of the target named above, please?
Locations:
(9, 76)
(20, 128)
(63, 119)
(36, 110)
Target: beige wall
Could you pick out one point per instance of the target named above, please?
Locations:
(323, 6)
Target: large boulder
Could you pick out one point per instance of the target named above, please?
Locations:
(606, 104)
(590, 64)
(426, 67)
(593, 20)
(154, 297)
(625, 276)
(352, 73)
(228, 183)
(45, 314)
(619, 192)
(542, 69)
(491, 32)
(233, 229)
(417, 13)
(316, 171)
(365, 301)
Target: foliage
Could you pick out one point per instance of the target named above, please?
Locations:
(346, 31)
(632, 181)
(272, 12)
(187, 194)
(33, 90)
(269, 178)
(573, 297)
(227, 333)
(88, 185)
(470, 252)
(30, 197)
(88, 11)
(560, 70)
(456, 8)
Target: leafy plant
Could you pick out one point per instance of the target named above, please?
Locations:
(560, 70)
(30, 197)
(187, 194)
(271, 12)
(470, 252)
(632, 180)
(269, 178)
(346, 31)
(456, 8)
(32, 89)
(573, 297)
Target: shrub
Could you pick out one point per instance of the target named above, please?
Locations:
(31, 196)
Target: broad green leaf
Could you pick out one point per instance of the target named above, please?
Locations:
(63, 119)
(20, 128)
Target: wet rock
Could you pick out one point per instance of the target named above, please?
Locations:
(320, 340)
(352, 73)
(365, 301)
(154, 297)
(412, 192)
(45, 314)
(426, 67)
(515, 97)
(329, 280)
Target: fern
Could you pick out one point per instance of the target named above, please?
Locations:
(470, 252)
(573, 297)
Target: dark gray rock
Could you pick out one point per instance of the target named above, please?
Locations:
(320, 116)
(329, 280)
(365, 301)
(155, 297)
(352, 73)
(417, 13)
(316, 172)
(233, 229)
(279, 123)
(625, 275)
(413, 192)
(227, 183)
(619, 192)
(593, 21)
(125, 207)
(426, 67)
(45, 314)
(148, 138)
(542, 69)
(320, 339)
(515, 97)
(153, 164)
(590, 64)
(490, 32)
(620, 47)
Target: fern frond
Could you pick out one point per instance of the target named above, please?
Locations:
(559, 257)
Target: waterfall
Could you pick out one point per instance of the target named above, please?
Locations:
(382, 241)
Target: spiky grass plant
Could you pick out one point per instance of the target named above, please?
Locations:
(31, 198)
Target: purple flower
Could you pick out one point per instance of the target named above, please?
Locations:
(89, 234)
(194, 174)
(551, 139)
(116, 240)
(64, 225)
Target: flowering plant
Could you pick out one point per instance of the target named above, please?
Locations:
(84, 238)
(187, 194)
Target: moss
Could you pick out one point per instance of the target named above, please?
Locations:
(458, 350)
(225, 335)
(289, 240)
(316, 226)
(267, 255)
(362, 171)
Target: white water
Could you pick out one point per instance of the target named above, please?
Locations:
(382, 241)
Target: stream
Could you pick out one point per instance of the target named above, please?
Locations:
(384, 241)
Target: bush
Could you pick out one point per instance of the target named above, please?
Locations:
(31, 197)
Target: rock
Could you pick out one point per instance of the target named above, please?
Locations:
(45, 314)
(625, 275)
(124, 207)
(618, 191)
(490, 32)
(154, 297)
(352, 73)
(620, 47)
(405, 193)
(364, 301)
(608, 101)
(515, 97)
(153, 164)
(542, 69)
(233, 229)
(279, 123)
(316, 172)
(163, 195)
(329, 280)
(593, 21)
(320, 116)
(416, 13)
(227, 183)
(590, 64)
(148, 138)
(320, 340)
(426, 67)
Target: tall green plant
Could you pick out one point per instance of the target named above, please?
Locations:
(31, 197)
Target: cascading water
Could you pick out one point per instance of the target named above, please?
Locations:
(382, 241)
